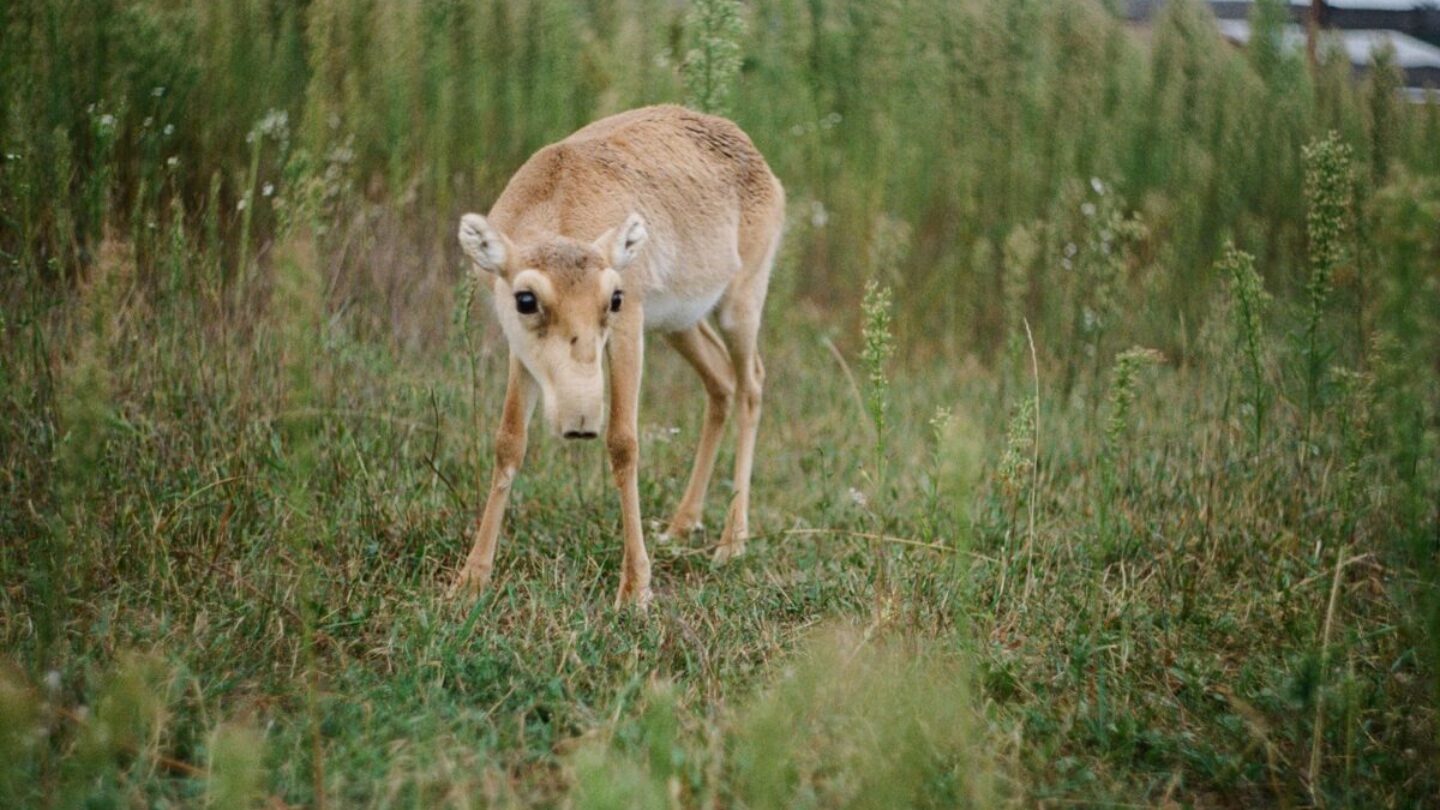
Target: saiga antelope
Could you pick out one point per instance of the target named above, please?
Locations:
(647, 220)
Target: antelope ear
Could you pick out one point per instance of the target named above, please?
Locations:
(621, 245)
(486, 247)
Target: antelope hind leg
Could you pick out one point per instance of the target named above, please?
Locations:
(705, 353)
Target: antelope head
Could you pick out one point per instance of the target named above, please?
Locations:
(557, 300)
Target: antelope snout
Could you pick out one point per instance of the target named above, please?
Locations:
(575, 400)
(583, 428)
(580, 409)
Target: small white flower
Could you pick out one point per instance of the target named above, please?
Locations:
(1070, 249)
(158, 91)
(267, 189)
(1088, 209)
(274, 124)
(169, 129)
(818, 215)
(858, 498)
(243, 204)
(1096, 184)
(52, 680)
(107, 120)
(172, 162)
(149, 119)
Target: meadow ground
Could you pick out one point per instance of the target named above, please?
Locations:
(249, 578)
(1098, 510)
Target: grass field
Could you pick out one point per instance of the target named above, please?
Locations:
(1099, 465)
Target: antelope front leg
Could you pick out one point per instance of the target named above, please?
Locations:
(627, 349)
(509, 452)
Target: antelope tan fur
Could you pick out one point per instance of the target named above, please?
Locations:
(648, 220)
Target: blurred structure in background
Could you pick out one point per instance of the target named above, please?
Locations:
(1359, 28)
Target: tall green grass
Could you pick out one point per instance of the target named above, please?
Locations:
(245, 401)
(963, 120)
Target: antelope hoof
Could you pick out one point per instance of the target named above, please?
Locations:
(681, 527)
(732, 539)
(630, 595)
(729, 549)
(471, 582)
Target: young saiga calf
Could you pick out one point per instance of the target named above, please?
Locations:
(648, 220)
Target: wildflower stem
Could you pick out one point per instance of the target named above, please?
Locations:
(247, 211)
(1034, 470)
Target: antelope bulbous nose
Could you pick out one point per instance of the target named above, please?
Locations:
(584, 422)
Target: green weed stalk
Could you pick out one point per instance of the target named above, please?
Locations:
(1329, 196)
(1248, 303)
(1123, 382)
(712, 64)
(878, 344)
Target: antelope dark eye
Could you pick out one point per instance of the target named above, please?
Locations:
(615, 300)
(526, 304)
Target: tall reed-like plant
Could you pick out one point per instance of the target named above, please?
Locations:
(1123, 380)
(1248, 303)
(712, 64)
(878, 345)
(1329, 194)
(1383, 113)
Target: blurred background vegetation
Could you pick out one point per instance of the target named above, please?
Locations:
(246, 402)
(964, 127)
